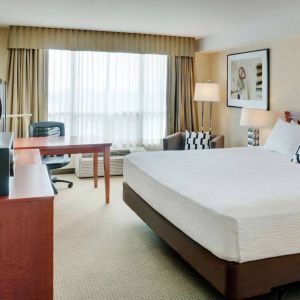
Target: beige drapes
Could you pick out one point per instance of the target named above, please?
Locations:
(26, 90)
(88, 40)
(26, 84)
(182, 111)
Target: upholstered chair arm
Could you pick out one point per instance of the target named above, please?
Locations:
(217, 141)
(174, 141)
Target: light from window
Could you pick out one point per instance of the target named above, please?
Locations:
(119, 97)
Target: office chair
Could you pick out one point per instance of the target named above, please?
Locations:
(49, 128)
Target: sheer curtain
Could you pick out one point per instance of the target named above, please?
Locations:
(120, 97)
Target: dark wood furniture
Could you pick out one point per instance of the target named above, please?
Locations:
(233, 280)
(26, 231)
(59, 145)
(6, 160)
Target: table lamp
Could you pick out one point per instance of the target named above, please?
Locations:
(255, 119)
(207, 92)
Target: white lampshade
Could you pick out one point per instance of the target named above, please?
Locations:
(207, 92)
(257, 118)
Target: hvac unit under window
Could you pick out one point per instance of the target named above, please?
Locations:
(84, 163)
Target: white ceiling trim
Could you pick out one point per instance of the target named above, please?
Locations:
(219, 22)
(260, 33)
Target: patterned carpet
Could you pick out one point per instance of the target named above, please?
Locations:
(107, 252)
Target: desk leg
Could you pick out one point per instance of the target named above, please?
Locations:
(95, 161)
(107, 172)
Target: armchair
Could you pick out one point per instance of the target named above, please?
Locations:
(176, 141)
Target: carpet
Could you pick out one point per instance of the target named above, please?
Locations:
(106, 252)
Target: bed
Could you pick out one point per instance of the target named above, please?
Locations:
(235, 219)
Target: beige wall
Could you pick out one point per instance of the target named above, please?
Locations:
(3, 53)
(284, 86)
(203, 72)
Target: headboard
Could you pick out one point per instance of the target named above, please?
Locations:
(292, 115)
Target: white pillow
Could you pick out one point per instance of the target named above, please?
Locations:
(284, 139)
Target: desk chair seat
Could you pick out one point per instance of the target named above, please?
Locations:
(42, 129)
(56, 162)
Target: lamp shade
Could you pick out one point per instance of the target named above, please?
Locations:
(207, 92)
(257, 118)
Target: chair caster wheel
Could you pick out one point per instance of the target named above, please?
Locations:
(70, 185)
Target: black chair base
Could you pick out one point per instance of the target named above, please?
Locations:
(55, 179)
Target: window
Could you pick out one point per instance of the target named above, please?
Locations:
(120, 97)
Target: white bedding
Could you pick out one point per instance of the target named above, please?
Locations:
(241, 204)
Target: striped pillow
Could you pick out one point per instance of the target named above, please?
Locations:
(296, 157)
(197, 140)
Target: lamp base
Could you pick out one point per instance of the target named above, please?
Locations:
(253, 136)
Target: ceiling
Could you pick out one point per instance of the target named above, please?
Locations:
(195, 18)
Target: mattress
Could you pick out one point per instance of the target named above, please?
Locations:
(242, 204)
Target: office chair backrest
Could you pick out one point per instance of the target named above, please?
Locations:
(47, 128)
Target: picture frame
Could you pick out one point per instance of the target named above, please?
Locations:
(248, 79)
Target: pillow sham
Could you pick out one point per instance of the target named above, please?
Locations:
(284, 139)
(197, 140)
(296, 157)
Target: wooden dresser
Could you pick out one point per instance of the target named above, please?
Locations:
(26, 231)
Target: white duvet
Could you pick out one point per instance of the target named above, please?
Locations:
(241, 204)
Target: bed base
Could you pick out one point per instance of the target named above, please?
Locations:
(233, 280)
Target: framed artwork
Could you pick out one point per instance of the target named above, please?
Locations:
(248, 79)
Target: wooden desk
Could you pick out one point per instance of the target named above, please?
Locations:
(55, 145)
(26, 231)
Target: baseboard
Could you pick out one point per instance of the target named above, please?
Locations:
(63, 171)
